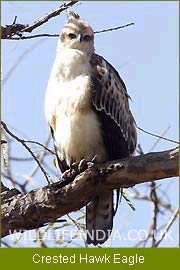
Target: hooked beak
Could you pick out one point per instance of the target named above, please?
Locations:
(79, 38)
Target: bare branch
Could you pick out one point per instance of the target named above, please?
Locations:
(42, 154)
(31, 37)
(21, 186)
(57, 35)
(159, 139)
(155, 201)
(79, 228)
(40, 144)
(18, 29)
(52, 14)
(141, 196)
(169, 224)
(27, 148)
(46, 204)
(157, 136)
(3, 141)
(113, 28)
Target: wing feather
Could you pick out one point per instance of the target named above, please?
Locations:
(111, 102)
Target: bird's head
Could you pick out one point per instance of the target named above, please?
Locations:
(77, 34)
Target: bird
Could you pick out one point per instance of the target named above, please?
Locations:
(87, 109)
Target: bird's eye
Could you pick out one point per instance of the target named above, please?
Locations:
(87, 38)
(71, 36)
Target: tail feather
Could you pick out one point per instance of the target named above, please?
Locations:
(99, 218)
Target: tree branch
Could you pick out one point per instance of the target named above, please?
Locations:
(9, 31)
(9, 37)
(169, 224)
(43, 205)
(18, 29)
(23, 142)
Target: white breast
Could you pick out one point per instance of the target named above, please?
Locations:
(68, 110)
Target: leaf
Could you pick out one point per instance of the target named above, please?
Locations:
(128, 200)
(81, 217)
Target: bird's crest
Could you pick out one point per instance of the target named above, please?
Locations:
(71, 15)
(74, 18)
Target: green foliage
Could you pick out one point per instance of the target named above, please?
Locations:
(124, 196)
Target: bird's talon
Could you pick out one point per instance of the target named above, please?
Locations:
(82, 165)
(73, 166)
(90, 164)
(94, 159)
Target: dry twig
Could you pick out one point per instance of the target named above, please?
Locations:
(17, 29)
(169, 224)
(27, 148)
